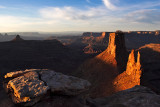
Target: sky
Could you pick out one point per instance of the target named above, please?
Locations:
(79, 15)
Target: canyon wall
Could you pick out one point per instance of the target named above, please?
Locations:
(111, 71)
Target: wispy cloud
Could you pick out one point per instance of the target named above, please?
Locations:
(100, 18)
(88, 1)
(144, 5)
(109, 4)
(144, 16)
(17, 23)
(71, 13)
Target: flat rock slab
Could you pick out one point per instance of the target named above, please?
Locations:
(30, 86)
(67, 85)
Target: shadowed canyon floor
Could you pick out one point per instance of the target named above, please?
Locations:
(20, 54)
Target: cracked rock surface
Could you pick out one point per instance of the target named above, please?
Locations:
(29, 86)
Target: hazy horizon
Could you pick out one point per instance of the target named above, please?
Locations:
(41, 32)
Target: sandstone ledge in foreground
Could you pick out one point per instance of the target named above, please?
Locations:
(30, 86)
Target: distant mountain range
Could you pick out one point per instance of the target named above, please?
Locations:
(36, 35)
(96, 40)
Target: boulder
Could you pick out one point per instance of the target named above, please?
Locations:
(28, 87)
(68, 85)
(137, 96)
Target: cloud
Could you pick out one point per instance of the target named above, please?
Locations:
(144, 5)
(16, 23)
(71, 13)
(109, 4)
(144, 16)
(89, 18)
(2, 7)
(88, 1)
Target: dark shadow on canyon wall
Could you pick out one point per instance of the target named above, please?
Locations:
(150, 61)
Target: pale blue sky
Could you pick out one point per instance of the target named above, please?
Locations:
(78, 15)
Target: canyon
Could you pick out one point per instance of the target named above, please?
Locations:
(124, 64)
(110, 68)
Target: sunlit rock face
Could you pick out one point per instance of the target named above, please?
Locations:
(133, 67)
(157, 32)
(15, 74)
(105, 67)
(25, 86)
(116, 53)
(112, 70)
(131, 76)
(117, 49)
(30, 86)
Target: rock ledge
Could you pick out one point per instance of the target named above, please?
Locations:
(30, 86)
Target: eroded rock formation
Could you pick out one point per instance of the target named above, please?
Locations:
(109, 72)
(117, 50)
(116, 53)
(100, 38)
(89, 49)
(30, 86)
(17, 38)
(96, 42)
(131, 76)
(105, 67)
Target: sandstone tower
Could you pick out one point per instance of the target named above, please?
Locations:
(110, 72)
(131, 76)
(116, 53)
